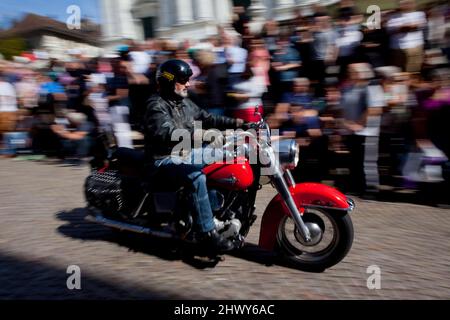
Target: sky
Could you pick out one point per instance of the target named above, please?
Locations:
(15, 9)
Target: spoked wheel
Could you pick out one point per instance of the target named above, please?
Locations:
(332, 238)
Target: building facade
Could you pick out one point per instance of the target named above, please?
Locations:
(179, 19)
(182, 19)
(43, 34)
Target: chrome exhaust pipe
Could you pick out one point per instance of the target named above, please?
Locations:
(128, 227)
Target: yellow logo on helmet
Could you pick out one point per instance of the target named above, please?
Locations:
(168, 75)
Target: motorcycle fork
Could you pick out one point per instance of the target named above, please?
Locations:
(252, 192)
(282, 181)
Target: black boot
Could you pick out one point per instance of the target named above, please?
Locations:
(213, 241)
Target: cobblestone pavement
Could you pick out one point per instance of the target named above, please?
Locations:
(43, 231)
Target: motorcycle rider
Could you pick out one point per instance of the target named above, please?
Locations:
(170, 110)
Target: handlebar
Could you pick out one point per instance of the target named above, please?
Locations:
(234, 138)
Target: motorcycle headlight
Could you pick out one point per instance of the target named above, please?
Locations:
(288, 153)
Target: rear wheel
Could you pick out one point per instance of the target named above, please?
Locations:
(335, 240)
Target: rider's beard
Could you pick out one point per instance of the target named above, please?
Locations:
(183, 93)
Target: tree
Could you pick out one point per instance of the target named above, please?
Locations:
(12, 47)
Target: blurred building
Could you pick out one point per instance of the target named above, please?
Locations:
(54, 37)
(280, 10)
(285, 9)
(180, 19)
(184, 19)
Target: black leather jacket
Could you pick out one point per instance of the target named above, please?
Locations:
(163, 116)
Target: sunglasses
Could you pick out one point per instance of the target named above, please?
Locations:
(183, 80)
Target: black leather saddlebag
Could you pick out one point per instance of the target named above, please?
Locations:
(103, 191)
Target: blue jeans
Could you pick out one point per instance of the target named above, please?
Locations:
(183, 171)
(77, 148)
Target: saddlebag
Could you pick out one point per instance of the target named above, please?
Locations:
(103, 191)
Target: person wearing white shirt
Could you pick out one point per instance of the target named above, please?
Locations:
(27, 90)
(248, 94)
(236, 58)
(8, 107)
(140, 60)
(407, 37)
(8, 97)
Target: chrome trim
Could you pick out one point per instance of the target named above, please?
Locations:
(289, 178)
(323, 207)
(127, 226)
(230, 180)
(283, 189)
(138, 210)
(316, 234)
(287, 151)
(351, 206)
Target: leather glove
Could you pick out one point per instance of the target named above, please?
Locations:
(249, 125)
(218, 141)
(239, 123)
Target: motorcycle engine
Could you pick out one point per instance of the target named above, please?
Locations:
(216, 199)
(229, 229)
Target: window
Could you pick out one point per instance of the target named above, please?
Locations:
(147, 24)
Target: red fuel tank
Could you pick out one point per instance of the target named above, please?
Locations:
(234, 176)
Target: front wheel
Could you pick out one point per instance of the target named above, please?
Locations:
(330, 247)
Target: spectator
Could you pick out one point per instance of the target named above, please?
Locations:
(49, 86)
(259, 59)
(248, 93)
(437, 108)
(27, 91)
(303, 41)
(300, 94)
(395, 131)
(375, 43)
(44, 141)
(76, 86)
(301, 123)
(406, 36)
(117, 95)
(324, 49)
(362, 104)
(304, 125)
(218, 49)
(74, 133)
(347, 44)
(98, 101)
(8, 106)
(270, 35)
(435, 31)
(140, 59)
(286, 62)
(210, 87)
(240, 18)
(236, 58)
(8, 97)
(138, 84)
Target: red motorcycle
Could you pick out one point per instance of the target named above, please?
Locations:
(308, 224)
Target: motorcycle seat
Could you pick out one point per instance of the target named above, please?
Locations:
(132, 165)
(130, 161)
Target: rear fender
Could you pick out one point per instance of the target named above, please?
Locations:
(306, 195)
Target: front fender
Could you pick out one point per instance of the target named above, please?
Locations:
(306, 195)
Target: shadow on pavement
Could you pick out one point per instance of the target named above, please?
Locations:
(78, 228)
(32, 279)
(427, 194)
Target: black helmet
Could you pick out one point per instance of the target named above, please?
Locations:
(171, 71)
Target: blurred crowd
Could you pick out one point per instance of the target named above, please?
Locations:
(365, 101)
